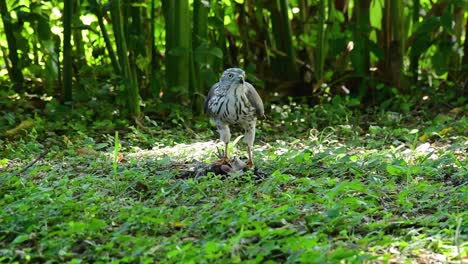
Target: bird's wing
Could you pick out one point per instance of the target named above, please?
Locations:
(255, 99)
(208, 97)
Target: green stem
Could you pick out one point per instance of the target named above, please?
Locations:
(100, 17)
(67, 51)
(360, 56)
(199, 36)
(178, 40)
(414, 58)
(129, 78)
(321, 46)
(16, 75)
(286, 67)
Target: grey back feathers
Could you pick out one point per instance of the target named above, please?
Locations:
(255, 100)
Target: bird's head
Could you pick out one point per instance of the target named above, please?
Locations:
(232, 76)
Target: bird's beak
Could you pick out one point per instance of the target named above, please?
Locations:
(241, 78)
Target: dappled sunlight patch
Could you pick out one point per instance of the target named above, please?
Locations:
(419, 249)
(179, 152)
(193, 160)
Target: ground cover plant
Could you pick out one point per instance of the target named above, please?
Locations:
(357, 191)
(107, 156)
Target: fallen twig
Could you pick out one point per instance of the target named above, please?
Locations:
(42, 155)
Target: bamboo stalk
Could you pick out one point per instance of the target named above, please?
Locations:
(243, 28)
(168, 9)
(67, 51)
(15, 71)
(465, 49)
(304, 14)
(178, 46)
(437, 9)
(183, 40)
(221, 40)
(321, 46)
(200, 34)
(154, 51)
(455, 66)
(414, 58)
(110, 50)
(138, 37)
(129, 78)
(360, 56)
(285, 67)
(271, 49)
(77, 36)
(260, 27)
(394, 42)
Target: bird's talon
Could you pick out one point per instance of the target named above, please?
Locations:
(222, 161)
(249, 164)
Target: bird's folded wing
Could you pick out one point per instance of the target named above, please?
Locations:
(255, 99)
(208, 97)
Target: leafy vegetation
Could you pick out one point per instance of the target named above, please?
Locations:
(362, 156)
(135, 53)
(334, 190)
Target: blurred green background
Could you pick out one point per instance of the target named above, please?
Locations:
(151, 57)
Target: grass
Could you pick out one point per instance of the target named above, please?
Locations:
(375, 189)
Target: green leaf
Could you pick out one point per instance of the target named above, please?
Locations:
(440, 60)
(21, 42)
(20, 239)
(43, 29)
(338, 16)
(340, 254)
(143, 62)
(376, 50)
(173, 253)
(204, 50)
(76, 227)
(428, 25)
(395, 170)
(96, 224)
(334, 212)
(3, 162)
(100, 146)
(211, 247)
(179, 51)
(216, 22)
(446, 20)
(376, 14)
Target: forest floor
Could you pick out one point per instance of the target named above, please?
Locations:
(385, 188)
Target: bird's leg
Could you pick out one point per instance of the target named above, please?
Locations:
(250, 163)
(225, 136)
(225, 156)
(249, 139)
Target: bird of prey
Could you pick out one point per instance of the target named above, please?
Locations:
(233, 101)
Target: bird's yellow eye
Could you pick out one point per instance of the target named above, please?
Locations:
(230, 75)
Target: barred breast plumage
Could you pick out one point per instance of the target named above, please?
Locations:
(231, 106)
(233, 101)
